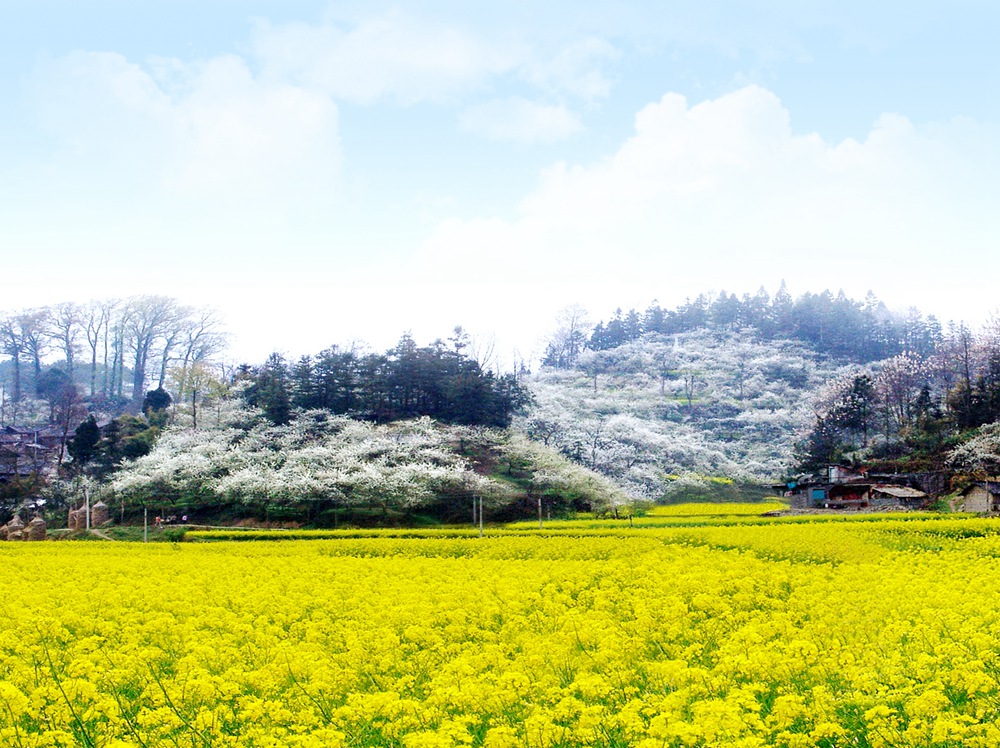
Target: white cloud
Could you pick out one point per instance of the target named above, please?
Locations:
(576, 68)
(204, 130)
(241, 134)
(224, 163)
(406, 59)
(393, 55)
(724, 195)
(520, 120)
(106, 112)
(170, 176)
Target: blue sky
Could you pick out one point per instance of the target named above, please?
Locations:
(326, 171)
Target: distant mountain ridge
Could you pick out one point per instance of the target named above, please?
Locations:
(832, 324)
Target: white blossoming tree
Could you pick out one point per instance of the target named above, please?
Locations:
(321, 463)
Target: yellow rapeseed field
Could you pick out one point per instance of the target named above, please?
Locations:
(880, 633)
(714, 510)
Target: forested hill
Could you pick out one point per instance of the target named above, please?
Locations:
(675, 402)
(683, 416)
(324, 469)
(834, 325)
(717, 393)
(441, 381)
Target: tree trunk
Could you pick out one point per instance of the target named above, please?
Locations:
(16, 361)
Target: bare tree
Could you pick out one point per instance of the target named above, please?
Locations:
(483, 351)
(68, 411)
(65, 325)
(147, 319)
(139, 332)
(569, 339)
(202, 337)
(694, 381)
(12, 345)
(662, 363)
(96, 321)
(170, 336)
(117, 337)
(33, 325)
(898, 384)
(959, 354)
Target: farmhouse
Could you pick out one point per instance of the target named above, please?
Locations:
(840, 487)
(983, 496)
(883, 495)
(27, 451)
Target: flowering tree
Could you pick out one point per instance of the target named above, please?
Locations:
(633, 422)
(319, 461)
(898, 384)
(981, 453)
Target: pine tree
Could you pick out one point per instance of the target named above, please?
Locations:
(83, 446)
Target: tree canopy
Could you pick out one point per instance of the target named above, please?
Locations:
(860, 331)
(319, 462)
(406, 382)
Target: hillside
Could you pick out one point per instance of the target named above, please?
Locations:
(693, 401)
(323, 470)
(710, 399)
(672, 415)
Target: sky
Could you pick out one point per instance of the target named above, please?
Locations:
(328, 172)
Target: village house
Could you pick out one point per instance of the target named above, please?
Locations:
(983, 496)
(27, 451)
(840, 487)
(888, 495)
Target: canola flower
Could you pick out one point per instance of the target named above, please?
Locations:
(863, 633)
(748, 514)
(723, 509)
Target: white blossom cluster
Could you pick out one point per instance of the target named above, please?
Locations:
(245, 459)
(316, 457)
(981, 453)
(666, 411)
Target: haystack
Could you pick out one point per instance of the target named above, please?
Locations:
(99, 514)
(36, 529)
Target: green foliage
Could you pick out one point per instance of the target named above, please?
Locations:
(54, 385)
(124, 438)
(139, 444)
(712, 490)
(268, 389)
(406, 382)
(83, 447)
(155, 401)
(821, 447)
